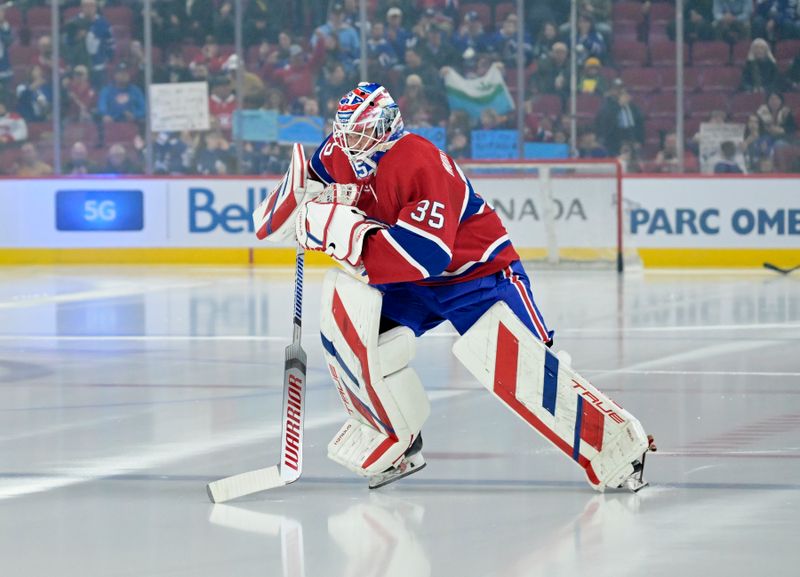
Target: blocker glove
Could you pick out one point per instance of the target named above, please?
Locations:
(337, 229)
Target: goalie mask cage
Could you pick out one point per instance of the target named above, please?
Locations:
(559, 212)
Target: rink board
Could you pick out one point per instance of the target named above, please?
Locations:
(670, 222)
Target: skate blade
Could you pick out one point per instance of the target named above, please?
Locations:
(382, 480)
(634, 485)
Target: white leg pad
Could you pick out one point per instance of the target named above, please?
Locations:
(517, 368)
(386, 403)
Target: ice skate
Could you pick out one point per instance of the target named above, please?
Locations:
(411, 462)
(635, 482)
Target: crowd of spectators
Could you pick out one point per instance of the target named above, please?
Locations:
(742, 66)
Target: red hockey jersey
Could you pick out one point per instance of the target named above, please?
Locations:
(439, 230)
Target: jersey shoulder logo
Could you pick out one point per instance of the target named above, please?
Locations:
(446, 163)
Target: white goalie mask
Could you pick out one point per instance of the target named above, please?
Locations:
(367, 122)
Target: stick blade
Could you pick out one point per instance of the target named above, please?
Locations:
(244, 484)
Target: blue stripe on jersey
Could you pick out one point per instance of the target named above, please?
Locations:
(492, 256)
(317, 166)
(473, 204)
(426, 252)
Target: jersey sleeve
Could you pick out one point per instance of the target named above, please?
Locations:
(419, 244)
(320, 164)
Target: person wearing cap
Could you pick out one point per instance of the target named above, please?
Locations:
(253, 90)
(435, 50)
(349, 42)
(504, 42)
(396, 34)
(121, 101)
(471, 34)
(222, 103)
(590, 81)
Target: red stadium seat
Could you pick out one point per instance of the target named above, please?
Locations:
(8, 158)
(660, 105)
(691, 125)
(641, 79)
(547, 104)
(692, 79)
(626, 11)
(14, 17)
(792, 100)
(118, 15)
(662, 12)
(85, 132)
(123, 132)
(710, 53)
(483, 9)
(722, 79)
(21, 55)
(38, 16)
(739, 52)
(745, 103)
(587, 105)
(629, 53)
(786, 50)
(502, 10)
(626, 30)
(663, 54)
(705, 102)
(40, 131)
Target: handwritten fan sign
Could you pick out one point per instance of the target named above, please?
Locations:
(179, 106)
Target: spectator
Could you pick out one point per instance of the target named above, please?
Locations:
(298, 76)
(121, 101)
(118, 162)
(504, 43)
(381, 53)
(434, 50)
(81, 97)
(776, 20)
(198, 19)
(667, 158)
(757, 144)
(629, 158)
(171, 154)
(44, 55)
(491, 120)
(253, 91)
(333, 84)
(777, 118)
(793, 75)
(89, 41)
(588, 147)
(760, 71)
(12, 126)
(732, 19)
(415, 100)
(589, 42)
(222, 103)
(548, 36)
(458, 145)
(175, 70)
(78, 163)
(135, 61)
(224, 23)
(349, 43)
(395, 33)
(209, 56)
(619, 120)
(544, 130)
(34, 99)
(30, 165)
(6, 38)
(213, 155)
(471, 34)
(727, 164)
(416, 65)
(599, 11)
(697, 17)
(167, 22)
(591, 81)
(556, 11)
(552, 76)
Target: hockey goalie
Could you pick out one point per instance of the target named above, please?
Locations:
(420, 247)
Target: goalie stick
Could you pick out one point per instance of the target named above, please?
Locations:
(294, 387)
(781, 270)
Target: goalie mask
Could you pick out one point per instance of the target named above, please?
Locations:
(366, 124)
